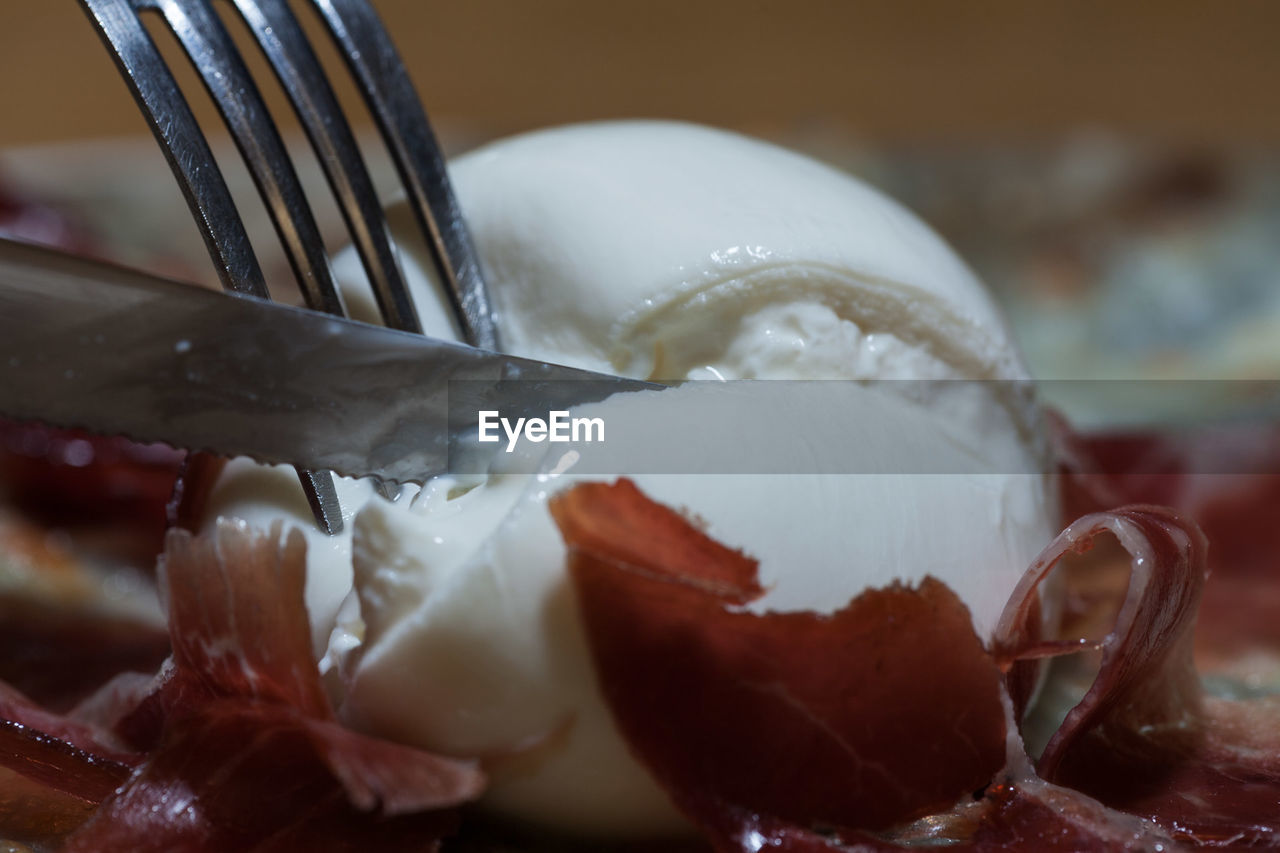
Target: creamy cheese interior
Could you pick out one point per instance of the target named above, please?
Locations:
(668, 251)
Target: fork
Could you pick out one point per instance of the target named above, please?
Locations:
(372, 61)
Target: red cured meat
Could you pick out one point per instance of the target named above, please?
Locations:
(238, 748)
(883, 711)
(760, 726)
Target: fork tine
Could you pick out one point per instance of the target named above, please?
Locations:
(286, 47)
(322, 498)
(217, 60)
(374, 63)
(184, 146)
(188, 154)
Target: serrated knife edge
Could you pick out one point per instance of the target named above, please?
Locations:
(115, 351)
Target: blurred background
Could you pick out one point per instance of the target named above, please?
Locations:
(1110, 168)
(889, 70)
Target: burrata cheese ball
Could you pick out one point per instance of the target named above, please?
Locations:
(668, 251)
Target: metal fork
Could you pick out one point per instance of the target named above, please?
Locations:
(381, 77)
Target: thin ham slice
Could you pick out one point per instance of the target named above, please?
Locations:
(886, 710)
(235, 745)
(228, 777)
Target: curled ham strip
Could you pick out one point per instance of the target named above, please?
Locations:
(1146, 677)
(1145, 739)
(236, 745)
(1237, 630)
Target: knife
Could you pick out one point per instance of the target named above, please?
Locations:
(115, 351)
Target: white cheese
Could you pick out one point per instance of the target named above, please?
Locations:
(671, 251)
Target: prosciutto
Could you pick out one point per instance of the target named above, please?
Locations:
(884, 711)
(234, 746)
(885, 726)
(1146, 760)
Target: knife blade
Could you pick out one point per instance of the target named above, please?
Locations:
(115, 351)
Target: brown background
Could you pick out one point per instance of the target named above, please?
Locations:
(884, 70)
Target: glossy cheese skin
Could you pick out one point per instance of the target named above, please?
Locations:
(671, 251)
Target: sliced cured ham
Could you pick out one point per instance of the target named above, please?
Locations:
(235, 746)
